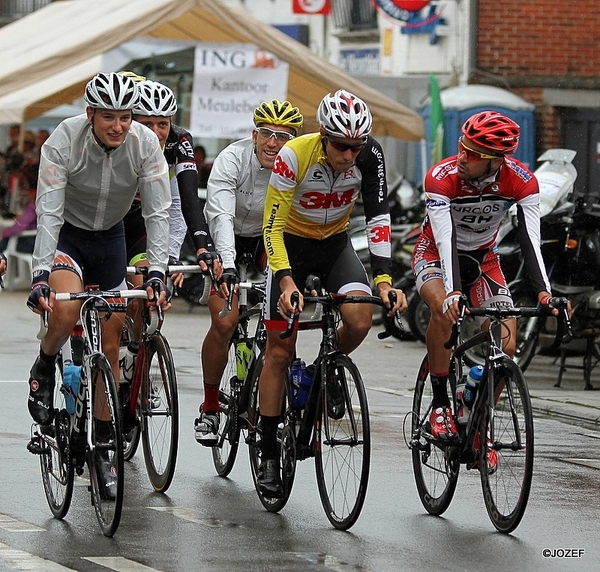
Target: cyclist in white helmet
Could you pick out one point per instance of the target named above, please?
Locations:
(156, 108)
(314, 184)
(90, 169)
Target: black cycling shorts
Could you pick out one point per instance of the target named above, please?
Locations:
(333, 260)
(97, 257)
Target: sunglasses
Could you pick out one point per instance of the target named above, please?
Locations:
(265, 133)
(472, 154)
(343, 147)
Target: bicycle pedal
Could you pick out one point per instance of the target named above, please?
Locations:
(34, 447)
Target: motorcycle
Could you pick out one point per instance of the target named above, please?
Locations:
(556, 178)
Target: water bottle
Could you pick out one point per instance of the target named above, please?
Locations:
(243, 355)
(462, 412)
(129, 361)
(71, 376)
(473, 379)
(301, 380)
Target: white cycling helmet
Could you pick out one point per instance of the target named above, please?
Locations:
(111, 91)
(156, 99)
(342, 114)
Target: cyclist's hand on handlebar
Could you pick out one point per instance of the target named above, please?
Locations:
(41, 298)
(228, 281)
(176, 277)
(400, 302)
(208, 260)
(450, 307)
(552, 304)
(158, 293)
(286, 307)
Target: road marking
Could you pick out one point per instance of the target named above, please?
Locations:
(120, 564)
(13, 525)
(23, 561)
(192, 516)
(591, 463)
(328, 561)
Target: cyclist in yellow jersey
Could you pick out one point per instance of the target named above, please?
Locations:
(314, 184)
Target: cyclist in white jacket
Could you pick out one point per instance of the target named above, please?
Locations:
(90, 169)
(235, 200)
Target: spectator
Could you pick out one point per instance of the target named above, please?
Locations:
(27, 220)
(203, 167)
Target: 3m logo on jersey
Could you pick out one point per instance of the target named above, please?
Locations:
(281, 168)
(317, 200)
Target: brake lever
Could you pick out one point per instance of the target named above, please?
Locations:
(295, 300)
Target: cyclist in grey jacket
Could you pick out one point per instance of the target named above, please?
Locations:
(90, 169)
(236, 191)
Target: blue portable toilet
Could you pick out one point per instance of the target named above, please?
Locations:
(461, 102)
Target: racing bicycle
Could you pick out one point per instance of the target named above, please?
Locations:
(498, 438)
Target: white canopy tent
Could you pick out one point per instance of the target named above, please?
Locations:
(38, 75)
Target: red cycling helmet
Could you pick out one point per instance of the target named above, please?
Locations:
(493, 131)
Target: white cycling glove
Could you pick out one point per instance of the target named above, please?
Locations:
(450, 299)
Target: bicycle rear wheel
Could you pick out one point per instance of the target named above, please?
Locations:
(55, 462)
(286, 438)
(343, 452)
(225, 452)
(435, 467)
(105, 460)
(159, 413)
(506, 488)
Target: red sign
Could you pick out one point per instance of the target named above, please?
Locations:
(311, 6)
(411, 5)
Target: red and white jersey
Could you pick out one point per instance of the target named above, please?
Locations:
(465, 216)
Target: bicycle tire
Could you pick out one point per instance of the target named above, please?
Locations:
(55, 462)
(159, 413)
(108, 510)
(343, 451)
(417, 316)
(225, 452)
(131, 436)
(435, 467)
(525, 350)
(287, 452)
(506, 491)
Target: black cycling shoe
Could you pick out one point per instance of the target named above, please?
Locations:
(107, 478)
(336, 406)
(41, 394)
(269, 479)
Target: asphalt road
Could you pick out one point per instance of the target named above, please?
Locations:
(208, 523)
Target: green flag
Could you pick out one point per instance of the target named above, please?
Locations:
(438, 146)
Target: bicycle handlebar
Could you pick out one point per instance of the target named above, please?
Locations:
(314, 283)
(564, 322)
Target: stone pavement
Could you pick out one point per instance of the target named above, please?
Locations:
(571, 401)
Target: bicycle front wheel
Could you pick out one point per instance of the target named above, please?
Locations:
(435, 467)
(131, 427)
(225, 451)
(286, 442)
(343, 452)
(105, 459)
(55, 462)
(160, 413)
(506, 460)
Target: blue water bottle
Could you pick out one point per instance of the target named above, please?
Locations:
(71, 376)
(473, 379)
(301, 380)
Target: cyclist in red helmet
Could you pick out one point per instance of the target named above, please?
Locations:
(467, 196)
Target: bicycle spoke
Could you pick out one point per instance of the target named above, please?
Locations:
(342, 460)
(506, 486)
